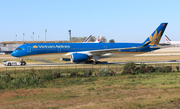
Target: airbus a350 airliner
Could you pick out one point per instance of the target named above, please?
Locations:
(86, 52)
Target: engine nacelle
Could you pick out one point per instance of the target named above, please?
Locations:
(78, 57)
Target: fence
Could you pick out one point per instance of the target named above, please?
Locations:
(67, 69)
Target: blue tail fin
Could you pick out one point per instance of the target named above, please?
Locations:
(156, 35)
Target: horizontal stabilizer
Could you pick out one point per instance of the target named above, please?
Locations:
(147, 43)
(167, 46)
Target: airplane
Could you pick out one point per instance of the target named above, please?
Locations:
(89, 37)
(88, 52)
(171, 42)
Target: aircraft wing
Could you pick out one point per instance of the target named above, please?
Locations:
(103, 51)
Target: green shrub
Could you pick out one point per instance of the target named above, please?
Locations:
(151, 69)
(177, 67)
(138, 70)
(129, 68)
(56, 75)
(26, 80)
(129, 65)
(104, 72)
(143, 68)
(168, 69)
(5, 79)
(160, 69)
(142, 65)
(34, 80)
(74, 74)
(46, 76)
(1, 86)
(88, 73)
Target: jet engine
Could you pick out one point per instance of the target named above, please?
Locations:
(78, 57)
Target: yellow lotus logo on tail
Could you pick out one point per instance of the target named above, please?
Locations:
(35, 46)
(155, 38)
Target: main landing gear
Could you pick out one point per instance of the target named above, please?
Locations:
(93, 62)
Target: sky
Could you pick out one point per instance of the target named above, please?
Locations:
(121, 20)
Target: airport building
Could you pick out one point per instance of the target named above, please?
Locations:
(8, 48)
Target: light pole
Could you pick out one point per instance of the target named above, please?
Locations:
(38, 37)
(45, 34)
(16, 38)
(23, 37)
(33, 36)
(69, 35)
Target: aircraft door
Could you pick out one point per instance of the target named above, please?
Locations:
(105, 47)
(59, 49)
(29, 49)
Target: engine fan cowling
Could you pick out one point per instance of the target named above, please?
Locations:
(78, 57)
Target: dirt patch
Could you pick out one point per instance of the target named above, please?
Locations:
(19, 92)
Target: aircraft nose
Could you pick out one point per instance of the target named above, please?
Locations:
(13, 54)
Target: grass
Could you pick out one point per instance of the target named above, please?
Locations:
(156, 90)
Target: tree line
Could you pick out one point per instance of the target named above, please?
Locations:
(93, 38)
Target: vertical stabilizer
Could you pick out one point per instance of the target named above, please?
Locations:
(167, 39)
(156, 35)
(99, 39)
(87, 39)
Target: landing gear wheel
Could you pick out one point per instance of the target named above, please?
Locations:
(96, 62)
(89, 62)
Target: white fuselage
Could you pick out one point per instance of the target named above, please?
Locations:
(173, 42)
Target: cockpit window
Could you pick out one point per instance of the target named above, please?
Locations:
(18, 49)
